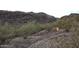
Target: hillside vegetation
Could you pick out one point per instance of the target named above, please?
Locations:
(22, 25)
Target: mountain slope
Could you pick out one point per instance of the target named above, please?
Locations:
(24, 17)
(42, 33)
(43, 40)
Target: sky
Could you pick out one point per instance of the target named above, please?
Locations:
(57, 8)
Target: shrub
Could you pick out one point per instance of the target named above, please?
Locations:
(64, 24)
(8, 31)
(28, 29)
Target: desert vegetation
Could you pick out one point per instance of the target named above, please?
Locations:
(8, 31)
(20, 24)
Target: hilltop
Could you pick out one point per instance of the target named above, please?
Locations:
(18, 17)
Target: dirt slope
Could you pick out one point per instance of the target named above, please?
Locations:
(43, 39)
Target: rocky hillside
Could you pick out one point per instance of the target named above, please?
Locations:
(16, 17)
(42, 33)
(43, 39)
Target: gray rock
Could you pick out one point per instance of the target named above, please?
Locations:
(19, 42)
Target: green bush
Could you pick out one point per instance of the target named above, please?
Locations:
(28, 29)
(64, 24)
(8, 31)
